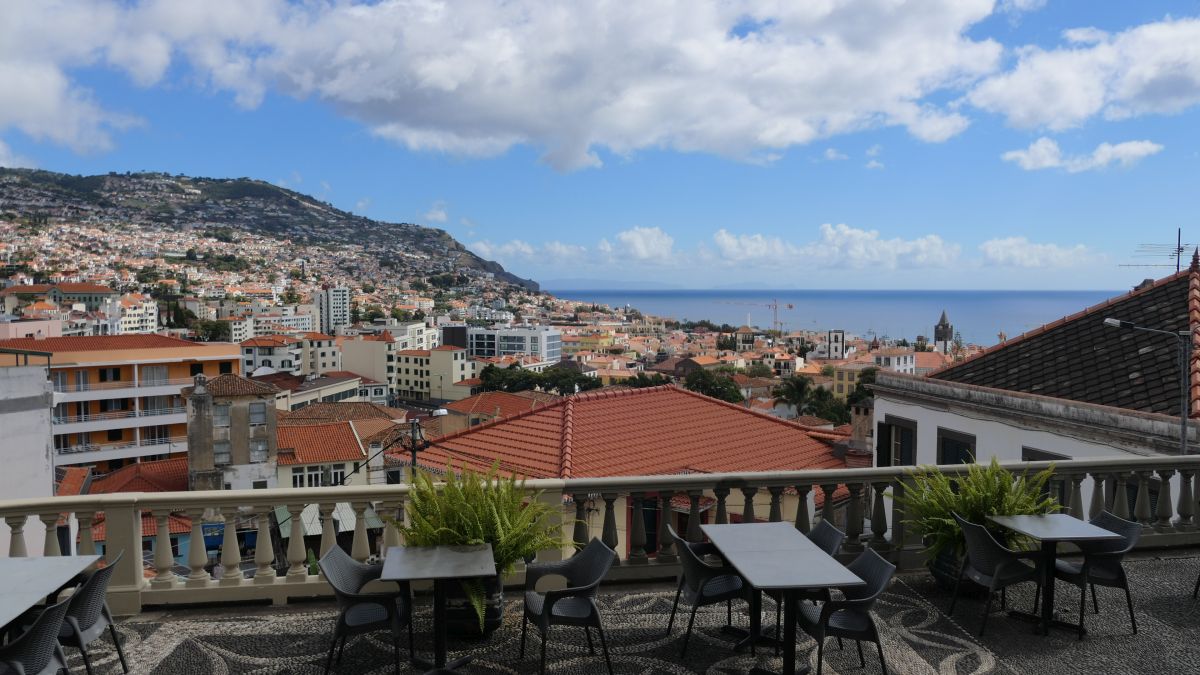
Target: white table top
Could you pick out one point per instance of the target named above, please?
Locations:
(25, 581)
(778, 556)
(1054, 527)
(409, 563)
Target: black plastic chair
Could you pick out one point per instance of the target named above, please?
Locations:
(829, 539)
(360, 612)
(37, 650)
(1101, 564)
(574, 605)
(850, 618)
(994, 566)
(88, 615)
(702, 583)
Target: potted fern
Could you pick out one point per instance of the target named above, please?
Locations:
(469, 508)
(931, 501)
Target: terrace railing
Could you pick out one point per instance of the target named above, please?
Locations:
(627, 513)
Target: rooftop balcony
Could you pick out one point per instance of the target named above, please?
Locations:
(167, 633)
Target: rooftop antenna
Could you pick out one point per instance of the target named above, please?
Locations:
(1162, 251)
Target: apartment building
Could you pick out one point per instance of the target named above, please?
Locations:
(441, 374)
(333, 308)
(407, 334)
(543, 342)
(138, 314)
(372, 356)
(117, 398)
(897, 360)
(845, 377)
(282, 322)
(295, 354)
(92, 297)
(231, 429)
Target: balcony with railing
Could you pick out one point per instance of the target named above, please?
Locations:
(85, 453)
(118, 419)
(630, 514)
(70, 392)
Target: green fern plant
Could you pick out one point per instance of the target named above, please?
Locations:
(470, 508)
(986, 490)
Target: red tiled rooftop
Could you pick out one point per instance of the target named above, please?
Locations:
(73, 480)
(318, 444)
(83, 343)
(654, 430)
(164, 475)
(236, 385)
(489, 402)
(340, 411)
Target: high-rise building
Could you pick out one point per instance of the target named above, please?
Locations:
(542, 342)
(333, 306)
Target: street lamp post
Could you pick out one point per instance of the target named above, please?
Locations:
(1183, 341)
(417, 441)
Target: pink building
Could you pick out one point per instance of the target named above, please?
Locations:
(30, 328)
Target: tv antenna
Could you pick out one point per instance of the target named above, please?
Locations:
(1161, 251)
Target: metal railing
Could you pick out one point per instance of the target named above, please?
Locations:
(144, 443)
(73, 387)
(1158, 492)
(117, 415)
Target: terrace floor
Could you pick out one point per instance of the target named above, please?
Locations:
(918, 637)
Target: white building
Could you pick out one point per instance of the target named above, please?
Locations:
(26, 398)
(896, 360)
(138, 314)
(333, 307)
(542, 342)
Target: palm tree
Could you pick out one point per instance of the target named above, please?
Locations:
(796, 391)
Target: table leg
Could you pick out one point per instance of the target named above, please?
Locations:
(1049, 556)
(439, 623)
(757, 634)
(791, 601)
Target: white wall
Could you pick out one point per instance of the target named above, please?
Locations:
(26, 454)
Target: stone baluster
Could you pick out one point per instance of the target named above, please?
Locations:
(580, 533)
(693, 529)
(722, 493)
(828, 489)
(1120, 506)
(328, 530)
(1163, 510)
(748, 494)
(16, 537)
(231, 552)
(666, 545)
(608, 533)
(197, 556)
(776, 514)
(164, 558)
(803, 520)
(87, 545)
(391, 534)
(264, 553)
(1077, 509)
(879, 525)
(50, 547)
(1097, 495)
(360, 548)
(1186, 500)
(1141, 506)
(637, 530)
(296, 555)
(854, 515)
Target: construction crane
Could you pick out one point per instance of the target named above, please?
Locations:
(774, 306)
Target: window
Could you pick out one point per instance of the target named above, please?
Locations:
(258, 451)
(338, 474)
(395, 476)
(225, 367)
(115, 435)
(196, 369)
(110, 374)
(313, 474)
(259, 485)
(298, 477)
(221, 416)
(899, 441)
(955, 447)
(221, 454)
(153, 375)
(258, 414)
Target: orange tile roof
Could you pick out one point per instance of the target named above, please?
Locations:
(176, 524)
(341, 411)
(270, 341)
(448, 348)
(83, 343)
(469, 382)
(654, 430)
(489, 402)
(236, 385)
(413, 352)
(318, 444)
(73, 480)
(164, 475)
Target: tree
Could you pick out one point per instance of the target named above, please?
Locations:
(825, 405)
(797, 392)
(355, 313)
(642, 380)
(759, 370)
(727, 343)
(213, 331)
(400, 314)
(827, 370)
(710, 384)
(861, 393)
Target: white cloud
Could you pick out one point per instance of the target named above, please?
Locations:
(1020, 6)
(436, 213)
(477, 78)
(833, 155)
(839, 246)
(1149, 69)
(874, 164)
(1020, 252)
(1044, 153)
(505, 252)
(12, 160)
(361, 206)
(646, 243)
(874, 150)
(550, 253)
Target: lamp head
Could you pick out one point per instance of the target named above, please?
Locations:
(1117, 323)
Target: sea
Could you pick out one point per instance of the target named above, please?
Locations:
(980, 316)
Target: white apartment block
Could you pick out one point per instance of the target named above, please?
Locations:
(333, 307)
(298, 354)
(284, 322)
(897, 360)
(444, 373)
(138, 314)
(372, 356)
(542, 342)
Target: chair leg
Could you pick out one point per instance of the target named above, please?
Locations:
(957, 583)
(588, 632)
(411, 653)
(1083, 605)
(117, 643)
(862, 663)
(879, 646)
(604, 647)
(1004, 598)
(396, 645)
(778, 623)
(329, 659)
(341, 648)
(987, 609)
(729, 612)
(820, 651)
(1196, 589)
(1037, 596)
(688, 635)
(545, 639)
(840, 646)
(1129, 601)
(524, 629)
(1095, 604)
(87, 662)
(675, 606)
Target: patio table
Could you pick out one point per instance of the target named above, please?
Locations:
(25, 581)
(777, 556)
(443, 565)
(1050, 529)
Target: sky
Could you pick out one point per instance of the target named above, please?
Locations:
(871, 144)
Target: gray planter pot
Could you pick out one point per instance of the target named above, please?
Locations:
(461, 619)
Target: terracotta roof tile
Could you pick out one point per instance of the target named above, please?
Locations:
(318, 444)
(236, 385)
(176, 524)
(73, 480)
(83, 343)
(489, 402)
(341, 411)
(164, 475)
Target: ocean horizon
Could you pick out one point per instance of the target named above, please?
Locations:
(980, 316)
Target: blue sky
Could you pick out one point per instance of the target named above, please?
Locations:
(943, 144)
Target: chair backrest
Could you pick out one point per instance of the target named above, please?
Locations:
(34, 649)
(344, 574)
(873, 569)
(88, 600)
(983, 551)
(1117, 548)
(590, 564)
(695, 572)
(827, 537)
